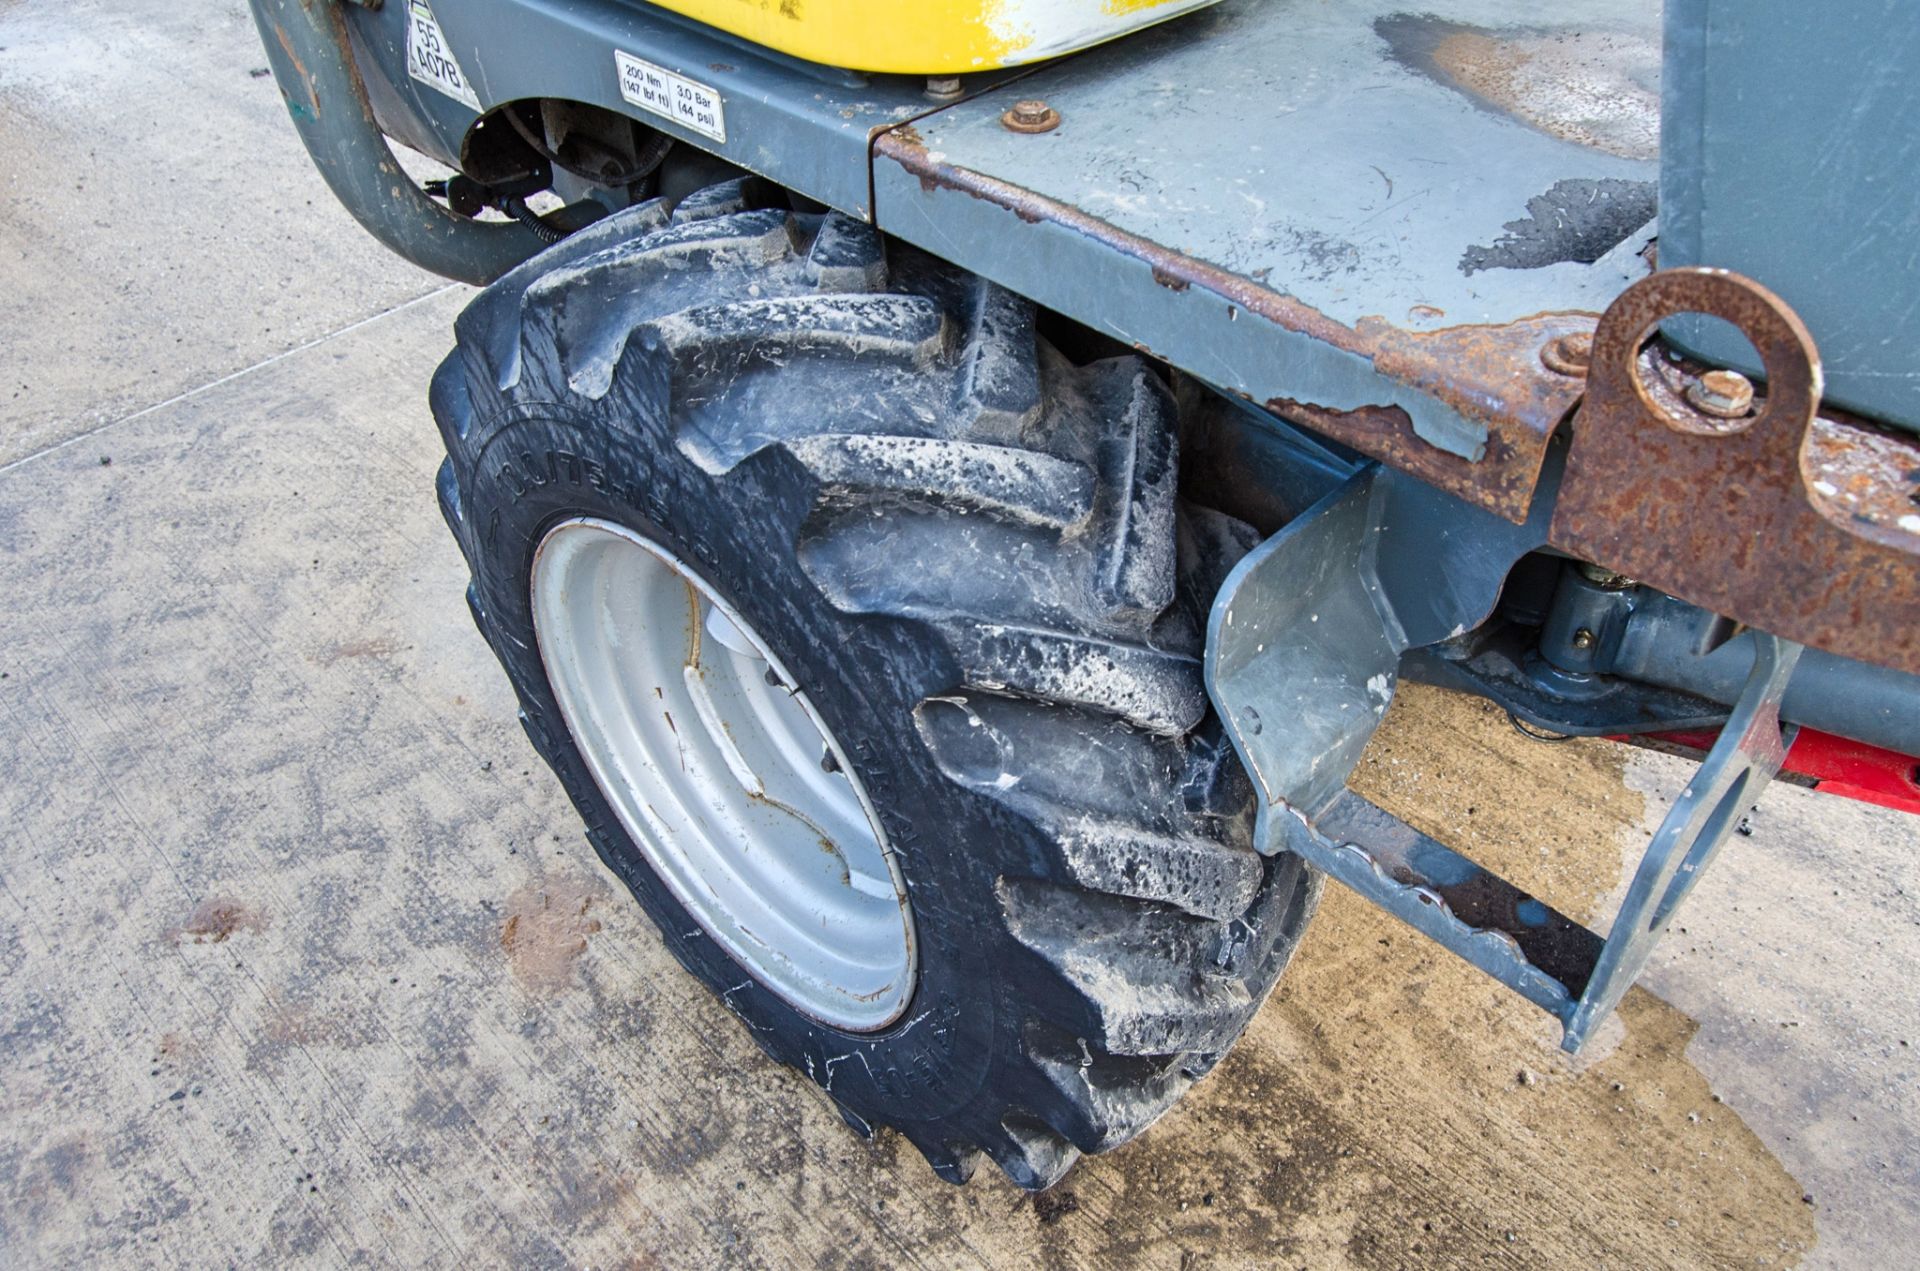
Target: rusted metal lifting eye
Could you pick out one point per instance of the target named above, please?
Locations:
(1744, 502)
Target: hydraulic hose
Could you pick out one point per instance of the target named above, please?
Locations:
(307, 46)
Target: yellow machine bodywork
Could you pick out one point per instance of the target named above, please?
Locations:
(929, 37)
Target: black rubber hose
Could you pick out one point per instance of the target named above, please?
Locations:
(519, 211)
(306, 43)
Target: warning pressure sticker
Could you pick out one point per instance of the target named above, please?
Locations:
(671, 96)
(430, 60)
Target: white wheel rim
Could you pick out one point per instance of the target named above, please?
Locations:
(723, 773)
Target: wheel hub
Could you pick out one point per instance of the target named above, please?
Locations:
(723, 773)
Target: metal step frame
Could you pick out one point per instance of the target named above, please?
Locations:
(1303, 655)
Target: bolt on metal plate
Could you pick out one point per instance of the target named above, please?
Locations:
(1722, 394)
(1569, 354)
(1031, 116)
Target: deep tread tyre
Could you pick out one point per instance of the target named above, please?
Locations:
(973, 555)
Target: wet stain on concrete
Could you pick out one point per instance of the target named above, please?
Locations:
(545, 931)
(217, 919)
(1547, 816)
(1391, 1107)
(372, 647)
(36, 1185)
(1051, 1206)
(302, 1026)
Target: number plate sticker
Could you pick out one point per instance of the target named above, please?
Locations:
(430, 60)
(687, 102)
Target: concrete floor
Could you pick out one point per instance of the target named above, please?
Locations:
(302, 958)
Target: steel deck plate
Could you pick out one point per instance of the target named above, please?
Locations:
(1318, 201)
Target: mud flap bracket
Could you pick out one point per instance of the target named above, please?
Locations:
(1303, 652)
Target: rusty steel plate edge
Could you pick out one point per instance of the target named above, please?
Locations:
(1492, 376)
(1801, 526)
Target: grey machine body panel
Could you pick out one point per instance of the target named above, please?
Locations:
(1790, 152)
(1338, 155)
(1338, 158)
(807, 127)
(1428, 171)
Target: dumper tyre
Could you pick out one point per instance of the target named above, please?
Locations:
(969, 557)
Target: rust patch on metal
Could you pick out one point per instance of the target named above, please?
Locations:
(1385, 433)
(1031, 117)
(1494, 376)
(1547, 938)
(1490, 375)
(1569, 354)
(1593, 88)
(300, 67)
(1796, 524)
(1864, 477)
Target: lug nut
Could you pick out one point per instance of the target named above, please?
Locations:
(1031, 116)
(1569, 354)
(1722, 394)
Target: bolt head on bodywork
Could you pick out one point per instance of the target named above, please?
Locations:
(1031, 116)
(943, 87)
(1568, 354)
(1722, 394)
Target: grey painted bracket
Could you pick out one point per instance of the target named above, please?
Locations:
(1527, 945)
(1303, 650)
(806, 127)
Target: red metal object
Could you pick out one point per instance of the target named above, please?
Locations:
(1833, 765)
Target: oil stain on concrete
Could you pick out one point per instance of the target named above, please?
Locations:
(216, 919)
